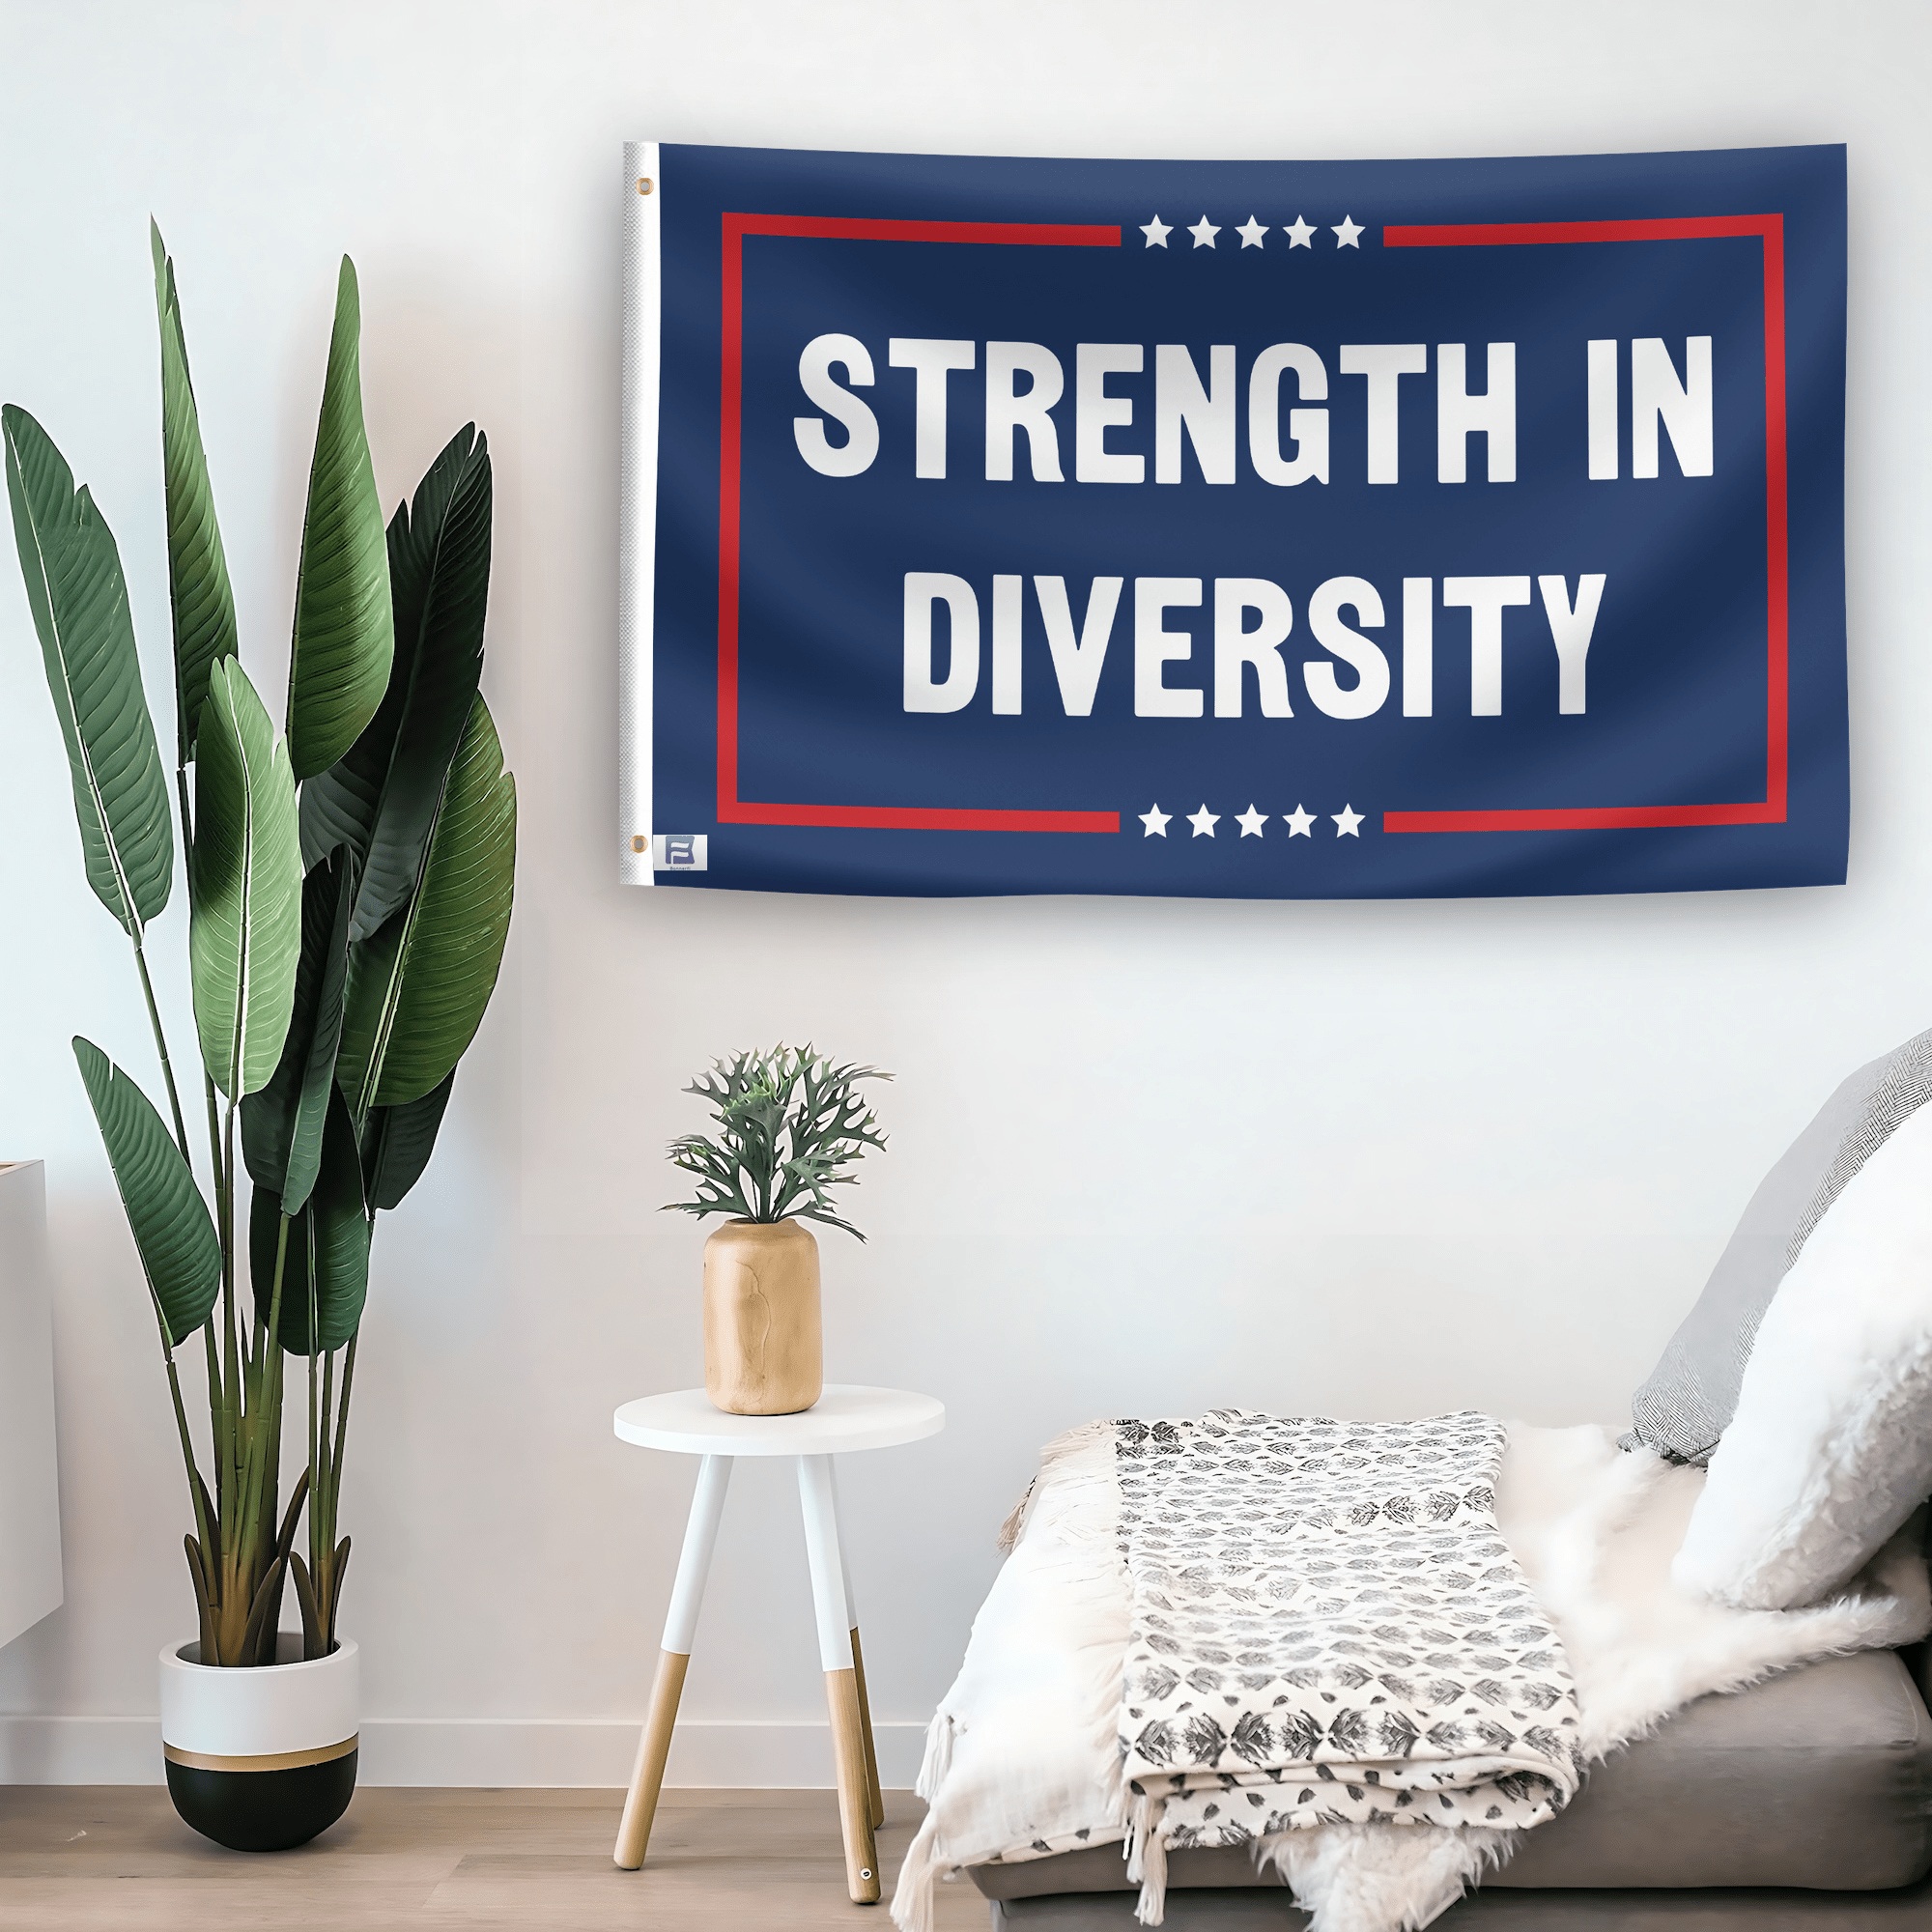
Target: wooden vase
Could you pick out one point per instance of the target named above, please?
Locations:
(765, 1347)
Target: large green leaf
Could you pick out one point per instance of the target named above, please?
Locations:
(345, 634)
(398, 1142)
(245, 930)
(327, 1253)
(418, 990)
(198, 590)
(380, 798)
(79, 601)
(180, 1254)
(281, 1126)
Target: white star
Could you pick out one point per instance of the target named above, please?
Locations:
(1251, 232)
(1157, 232)
(1204, 822)
(1345, 822)
(1344, 235)
(1156, 822)
(1203, 232)
(1300, 823)
(1251, 822)
(1298, 237)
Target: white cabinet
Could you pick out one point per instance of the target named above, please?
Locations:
(30, 1550)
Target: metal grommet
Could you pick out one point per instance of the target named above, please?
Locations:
(638, 842)
(866, 1872)
(644, 184)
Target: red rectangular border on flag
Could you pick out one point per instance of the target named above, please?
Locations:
(1770, 809)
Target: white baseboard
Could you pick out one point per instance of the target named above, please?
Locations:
(480, 1752)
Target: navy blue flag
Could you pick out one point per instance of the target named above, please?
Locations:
(1244, 529)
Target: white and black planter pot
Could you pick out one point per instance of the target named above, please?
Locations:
(261, 1759)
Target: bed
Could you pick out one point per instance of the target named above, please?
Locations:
(1234, 1663)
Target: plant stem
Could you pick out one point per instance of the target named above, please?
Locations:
(213, 1142)
(314, 1428)
(194, 1487)
(270, 1422)
(265, 1414)
(161, 1048)
(322, 1516)
(325, 1491)
(319, 1517)
(323, 1461)
(230, 1347)
(215, 1407)
(196, 1490)
(232, 1501)
(342, 1412)
(244, 1563)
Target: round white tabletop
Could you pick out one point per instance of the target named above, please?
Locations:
(844, 1418)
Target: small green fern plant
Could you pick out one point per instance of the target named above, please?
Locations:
(790, 1126)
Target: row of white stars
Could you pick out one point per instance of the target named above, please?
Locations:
(1300, 824)
(1348, 233)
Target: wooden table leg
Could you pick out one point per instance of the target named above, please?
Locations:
(876, 1797)
(842, 1687)
(878, 1800)
(694, 1564)
(640, 1801)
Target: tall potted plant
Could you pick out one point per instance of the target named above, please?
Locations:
(348, 897)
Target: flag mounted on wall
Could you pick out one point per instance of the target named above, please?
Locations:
(1234, 529)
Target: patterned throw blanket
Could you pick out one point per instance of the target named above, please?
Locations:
(1326, 1627)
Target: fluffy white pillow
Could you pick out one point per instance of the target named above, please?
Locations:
(1831, 1448)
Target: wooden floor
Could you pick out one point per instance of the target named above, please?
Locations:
(110, 1856)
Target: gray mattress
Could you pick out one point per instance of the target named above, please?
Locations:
(1814, 1790)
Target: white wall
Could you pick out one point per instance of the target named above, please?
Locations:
(1375, 1160)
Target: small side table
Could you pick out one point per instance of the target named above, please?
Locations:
(844, 1419)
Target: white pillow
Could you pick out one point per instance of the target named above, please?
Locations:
(1831, 1448)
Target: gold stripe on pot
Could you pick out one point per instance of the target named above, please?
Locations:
(267, 1761)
